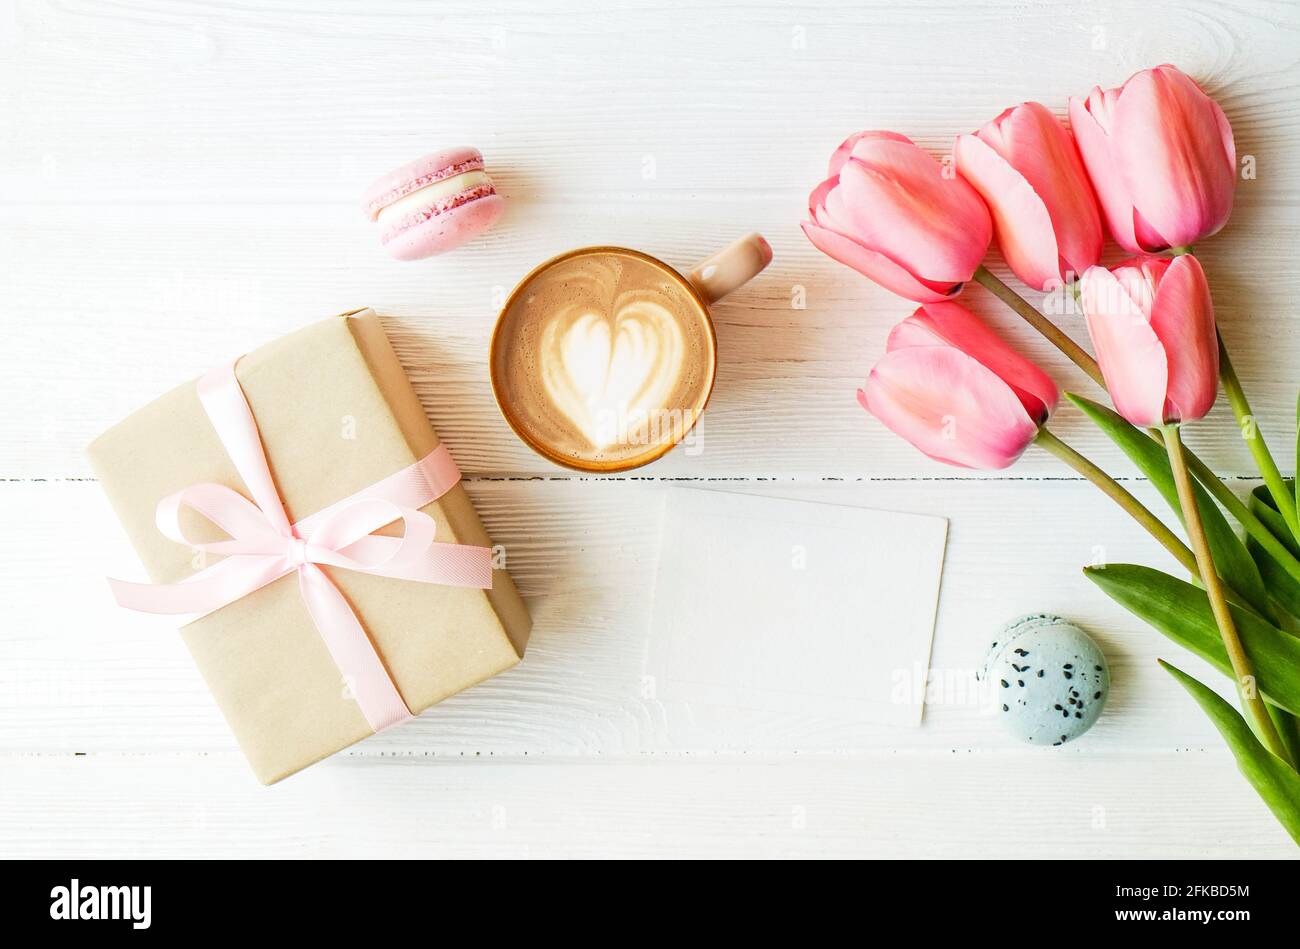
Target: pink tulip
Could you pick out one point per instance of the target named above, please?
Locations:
(953, 389)
(1160, 154)
(889, 211)
(1152, 324)
(1026, 167)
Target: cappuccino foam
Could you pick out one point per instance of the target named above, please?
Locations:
(603, 358)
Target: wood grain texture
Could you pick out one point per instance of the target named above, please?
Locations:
(178, 184)
(88, 677)
(162, 314)
(217, 206)
(886, 805)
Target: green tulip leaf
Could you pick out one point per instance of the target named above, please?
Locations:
(1283, 588)
(1285, 724)
(1263, 506)
(1231, 558)
(1182, 612)
(1272, 779)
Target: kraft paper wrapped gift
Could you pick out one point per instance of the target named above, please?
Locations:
(336, 414)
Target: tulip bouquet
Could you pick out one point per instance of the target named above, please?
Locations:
(1153, 162)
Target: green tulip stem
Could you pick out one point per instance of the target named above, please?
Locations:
(1242, 670)
(1113, 490)
(1254, 439)
(1253, 526)
(1029, 313)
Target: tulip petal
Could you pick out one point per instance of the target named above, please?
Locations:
(1182, 316)
(817, 200)
(1148, 238)
(949, 406)
(841, 154)
(1139, 277)
(1170, 151)
(1095, 148)
(893, 195)
(1040, 148)
(876, 266)
(1225, 134)
(1020, 218)
(953, 325)
(1132, 358)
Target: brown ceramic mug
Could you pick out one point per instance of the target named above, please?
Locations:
(603, 358)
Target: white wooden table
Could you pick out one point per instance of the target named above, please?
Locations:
(179, 183)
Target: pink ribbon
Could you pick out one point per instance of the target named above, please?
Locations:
(264, 546)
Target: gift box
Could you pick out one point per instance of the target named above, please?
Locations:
(336, 416)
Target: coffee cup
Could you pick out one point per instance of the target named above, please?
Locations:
(603, 358)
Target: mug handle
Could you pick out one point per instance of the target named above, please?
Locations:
(732, 267)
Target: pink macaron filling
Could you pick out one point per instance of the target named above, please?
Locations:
(441, 207)
(411, 178)
(433, 204)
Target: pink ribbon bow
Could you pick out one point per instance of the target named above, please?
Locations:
(264, 546)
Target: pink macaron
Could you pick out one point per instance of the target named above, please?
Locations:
(433, 204)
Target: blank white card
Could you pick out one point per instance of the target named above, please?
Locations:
(780, 605)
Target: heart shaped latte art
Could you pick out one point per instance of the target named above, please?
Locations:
(608, 374)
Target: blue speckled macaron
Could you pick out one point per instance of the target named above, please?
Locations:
(1047, 678)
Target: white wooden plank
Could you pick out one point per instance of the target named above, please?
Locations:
(178, 184)
(304, 101)
(784, 403)
(240, 222)
(81, 675)
(1066, 806)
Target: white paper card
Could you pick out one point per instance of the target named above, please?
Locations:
(794, 606)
